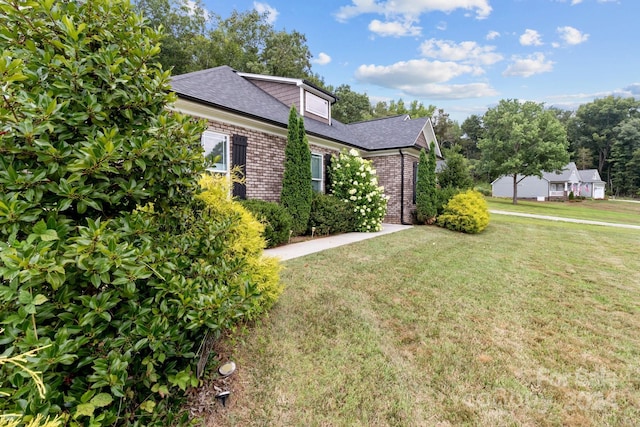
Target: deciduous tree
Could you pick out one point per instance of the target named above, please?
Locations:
(351, 106)
(625, 158)
(594, 127)
(522, 139)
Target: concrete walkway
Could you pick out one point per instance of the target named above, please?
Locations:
(557, 218)
(318, 244)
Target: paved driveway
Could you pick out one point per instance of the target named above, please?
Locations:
(557, 218)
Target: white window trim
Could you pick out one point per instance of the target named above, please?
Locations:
(226, 151)
(320, 180)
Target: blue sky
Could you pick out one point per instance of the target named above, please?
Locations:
(466, 55)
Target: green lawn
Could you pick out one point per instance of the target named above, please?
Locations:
(529, 323)
(594, 210)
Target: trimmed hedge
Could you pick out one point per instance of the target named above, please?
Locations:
(466, 212)
(275, 218)
(330, 215)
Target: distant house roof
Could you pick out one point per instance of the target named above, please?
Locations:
(225, 88)
(590, 175)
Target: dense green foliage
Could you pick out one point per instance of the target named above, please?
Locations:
(297, 191)
(466, 212)
(330, 215)
(184, 31)
(426, 199)
(109, 258)
(603, 135)
(244, 243)
(625, 156)
(275, 219)
(354, 181)
(522, 139)
(196, 39)
(443, 195)
(455, 172)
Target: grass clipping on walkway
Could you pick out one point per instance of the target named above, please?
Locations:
(529, 323)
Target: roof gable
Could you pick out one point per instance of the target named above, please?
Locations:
(568, 173)
(590, 175)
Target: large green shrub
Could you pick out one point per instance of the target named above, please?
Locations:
(296, 183)
(443, 195)
(466, 212)
(108, 258)
(330, 215)
(276, 220)
(244, 243)
(455, 172)
(354, 181)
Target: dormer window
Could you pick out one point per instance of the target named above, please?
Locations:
(316, 105)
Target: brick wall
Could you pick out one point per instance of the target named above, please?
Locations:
(265, 169)
(389, 171)
(265, 160)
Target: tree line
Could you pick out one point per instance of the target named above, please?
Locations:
(603, 134)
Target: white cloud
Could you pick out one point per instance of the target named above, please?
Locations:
(322, 59)
(394, 28)
(442, 25)
(633, 89)
(411, 9)
(571, 36)
(527, 67)
(466, 51)
(530, 38)
(423, 78)
(412, 72)
(457, 91)
(272, 12)
(193, 8)
(492, 35)
(574, 2)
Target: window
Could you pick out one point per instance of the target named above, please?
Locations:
(316, 172)
(316, 105)
(216, 151)
(557, 186)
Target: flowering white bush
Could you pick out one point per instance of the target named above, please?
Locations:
(354, 181)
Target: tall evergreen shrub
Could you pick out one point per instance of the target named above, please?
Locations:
(296, 183)
(426, 196)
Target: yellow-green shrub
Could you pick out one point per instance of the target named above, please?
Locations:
(244, 239)
(466, 212)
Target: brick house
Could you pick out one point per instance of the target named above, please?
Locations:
(248, 115)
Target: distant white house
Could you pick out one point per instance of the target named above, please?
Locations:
(553, 185)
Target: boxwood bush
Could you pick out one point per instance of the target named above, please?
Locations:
(276, 220)
(330, 215)
(466, 212)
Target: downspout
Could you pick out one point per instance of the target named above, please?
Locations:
(402, 221)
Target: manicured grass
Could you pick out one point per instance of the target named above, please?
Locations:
(594, 210)
(529, 323)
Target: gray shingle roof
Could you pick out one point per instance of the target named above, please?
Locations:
(390, 132)
(222, 87)
(560, 176)
(590, 175)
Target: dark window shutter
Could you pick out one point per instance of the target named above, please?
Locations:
(327, 173)
(239, 159)
(415, 180)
